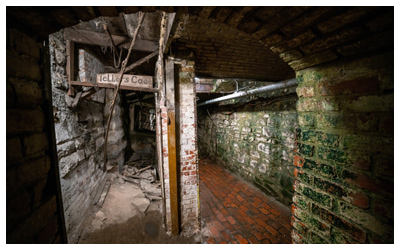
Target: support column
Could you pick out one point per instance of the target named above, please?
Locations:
(180, 149)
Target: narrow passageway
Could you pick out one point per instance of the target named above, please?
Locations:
(234, 211)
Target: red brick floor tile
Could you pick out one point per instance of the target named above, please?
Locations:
(214, 231)
(275, 211)
(221, 217)
(226, 236)
(259, 235)
(266, 241)
(210, 241)
(271, 230)
(234, 210)
(231, 220)
(264, 211)
(253, 240)
(240, 239)
(218, 226)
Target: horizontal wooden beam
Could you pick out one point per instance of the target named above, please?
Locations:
(141, 61)
(112, 86)
(102, 39)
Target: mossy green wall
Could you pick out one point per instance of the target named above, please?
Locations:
(254, 140)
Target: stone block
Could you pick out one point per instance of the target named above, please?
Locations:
(304, 149)
(330, 41)
(27, 92)
(27, 172)
(14, 150)
(363, 218)
(384, 39)
(358, 85)
(343, 225)
(30, 71)
(343, 19)
(312, 60)
(24, 44)
(35, 144)
(319, 168)
(65, 149)
(373, 103)
(332, 155)
(294, 42)
(19, 120)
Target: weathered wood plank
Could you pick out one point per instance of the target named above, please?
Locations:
(127, 80)
(102, 39)
(141, 61)
(104, 193)
(112, 86)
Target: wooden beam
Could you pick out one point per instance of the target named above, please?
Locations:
(172, 26)
(70, 67)
(141, 61)
(172, 152)
(86, 94)
(101, 39)
(112, 86)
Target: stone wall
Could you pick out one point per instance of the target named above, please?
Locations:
(116, 137)
(33, 203)
(344, 187)
(79, 137)
(254, 140)
(80, 132)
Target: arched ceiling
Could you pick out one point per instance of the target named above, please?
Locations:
(237, 41)
(222, 51)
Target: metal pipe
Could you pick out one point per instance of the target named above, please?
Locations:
(263, 89)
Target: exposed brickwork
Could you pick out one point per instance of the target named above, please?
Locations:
(188, 197)
(222, 51)
(32, 213)
(342, 194)
(189, 200)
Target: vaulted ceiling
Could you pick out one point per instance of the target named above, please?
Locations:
(264, 43)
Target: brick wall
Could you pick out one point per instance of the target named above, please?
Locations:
(188, 172)
(344, 159)
(33, 213)
(254, 139)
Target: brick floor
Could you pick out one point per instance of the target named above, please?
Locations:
(236, 212)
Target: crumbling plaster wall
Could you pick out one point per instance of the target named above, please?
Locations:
(80, 134)
(254, 139)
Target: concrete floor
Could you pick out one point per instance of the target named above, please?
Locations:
(233, 211)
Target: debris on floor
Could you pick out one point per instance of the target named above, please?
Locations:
(131, 213)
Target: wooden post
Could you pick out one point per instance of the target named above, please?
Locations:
(70, 66)
(172, 152)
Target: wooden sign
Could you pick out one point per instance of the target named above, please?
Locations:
(127, 80)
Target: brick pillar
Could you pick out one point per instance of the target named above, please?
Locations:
(344, 153)
(188, 177)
